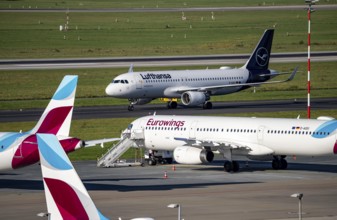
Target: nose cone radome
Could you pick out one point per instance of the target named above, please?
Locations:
(109, 90)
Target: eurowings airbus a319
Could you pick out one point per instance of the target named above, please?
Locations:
(195, 139)
(19, 149)
(195, 87)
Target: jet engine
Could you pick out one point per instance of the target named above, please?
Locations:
(192, 98)
(192, 155)
(140, 101)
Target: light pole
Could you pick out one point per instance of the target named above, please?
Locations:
(310, 10)
(299, 196)
(173, 206)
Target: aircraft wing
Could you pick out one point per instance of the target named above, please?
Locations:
(209, 88)
(92, 143)
(223, 145)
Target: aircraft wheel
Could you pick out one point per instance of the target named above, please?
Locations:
(283, 164)
(236, 166)
(208, 105)
(131, 107)
(228, 166)
(169, 160)
(174, 105)
(275, 164)
(152, 162)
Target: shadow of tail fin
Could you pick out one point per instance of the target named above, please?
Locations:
(56, 118)
(259, 60)
(66, 196)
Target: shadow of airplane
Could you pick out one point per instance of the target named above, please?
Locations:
(38, 185)
(255, 166)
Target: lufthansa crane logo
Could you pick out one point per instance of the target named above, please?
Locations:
(262, 56)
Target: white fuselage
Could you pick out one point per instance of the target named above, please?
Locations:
(158, 84)
(260, 136)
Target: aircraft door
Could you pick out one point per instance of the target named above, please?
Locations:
(260, 132)
(138, 81)
(137, 130)
(193, 129)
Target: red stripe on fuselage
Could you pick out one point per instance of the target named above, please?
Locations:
(54, 120)
(335, 148)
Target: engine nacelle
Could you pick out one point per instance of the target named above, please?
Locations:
(192, 98)
(192, 155)
(140, 101)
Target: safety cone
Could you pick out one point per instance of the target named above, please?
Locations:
(165, 175)
(174, 167)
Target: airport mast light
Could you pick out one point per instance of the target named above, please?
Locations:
(299, 196)
(173, 206)
(310, 10)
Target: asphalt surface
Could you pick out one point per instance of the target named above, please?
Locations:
(143, 110)
(114, 62)
(203, 191)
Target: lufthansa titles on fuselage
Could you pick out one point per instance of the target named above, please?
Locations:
(155, 76)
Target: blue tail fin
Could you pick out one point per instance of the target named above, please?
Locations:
(259, 60)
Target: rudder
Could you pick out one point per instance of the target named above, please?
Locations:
(259, 59)
(56, 118)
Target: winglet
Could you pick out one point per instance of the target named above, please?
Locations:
(66, 196)
(292, 74)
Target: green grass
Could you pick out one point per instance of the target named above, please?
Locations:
(37, 35)
(28, 88)
(57, 4)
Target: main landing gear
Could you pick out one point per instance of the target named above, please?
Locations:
(279, 163)
(207, 105)
(231, 166)
(131, 107)
(172, 104)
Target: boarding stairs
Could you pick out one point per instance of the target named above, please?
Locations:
(110, 158)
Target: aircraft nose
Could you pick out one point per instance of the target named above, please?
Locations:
(109, 89)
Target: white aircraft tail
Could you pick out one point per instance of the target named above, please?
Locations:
(66, 196)
(56, 118)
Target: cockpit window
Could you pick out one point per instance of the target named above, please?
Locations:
(130, 126)
(123, 81)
